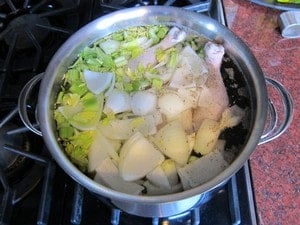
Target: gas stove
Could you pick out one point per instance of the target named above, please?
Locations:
(33, 189)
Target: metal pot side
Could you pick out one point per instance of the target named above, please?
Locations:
(122, 19)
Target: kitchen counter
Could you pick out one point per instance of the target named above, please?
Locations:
(275, 165)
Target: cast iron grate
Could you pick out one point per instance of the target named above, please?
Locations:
(30, 33)
(8, 197)
(200, 6)
(22, 164)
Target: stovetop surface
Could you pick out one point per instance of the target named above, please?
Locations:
(46, 194)
(218, 210)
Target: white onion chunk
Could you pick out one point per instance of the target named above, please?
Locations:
(97, 82)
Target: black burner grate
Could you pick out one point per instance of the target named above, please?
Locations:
(42, 164)
(200, 6)
(30, 33)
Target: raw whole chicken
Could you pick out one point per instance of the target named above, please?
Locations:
(213, 99)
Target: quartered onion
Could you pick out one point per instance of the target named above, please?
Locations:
(117, 101)
(171, 105)
(143, 103)
(134, 163)
(97, 82)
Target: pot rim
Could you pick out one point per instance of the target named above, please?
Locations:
(142, 15)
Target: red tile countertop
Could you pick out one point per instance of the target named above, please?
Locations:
(275, 165)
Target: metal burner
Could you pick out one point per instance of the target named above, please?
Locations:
(12, 194)
(20, 174)
(31, 32)
(9, 161)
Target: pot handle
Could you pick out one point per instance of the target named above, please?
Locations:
(22, 104)
(275, 127)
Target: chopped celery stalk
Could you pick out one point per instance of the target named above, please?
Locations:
(162, 31)
(59, 98)
(141, 84)
(85, 115)
(161, 55)
(70, 111)
(85, 120)
(70, 99)
(109, 46)
(72, 75)
(106, 59)
(121, 61)
(83, 139)
(173, 58)
(157, 83)
(134, 43)
(78, 146)
(93, 61)
(88, 53)
(66, 132)
(118, 36)
(128, 87)
(78, 88)
(61, 121)
(168, 57)
(135, 52)
(92, 102)
(78, 157)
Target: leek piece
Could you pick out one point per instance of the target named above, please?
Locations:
(85, 120)
(66, 132)
(120, 61)
(157, 83)
(173, 58)
(92, 102)
(72, 75)
(70, 99)
(77, 148)
(78, 87)
(109, 46)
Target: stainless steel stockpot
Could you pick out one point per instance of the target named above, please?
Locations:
(171, 204)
